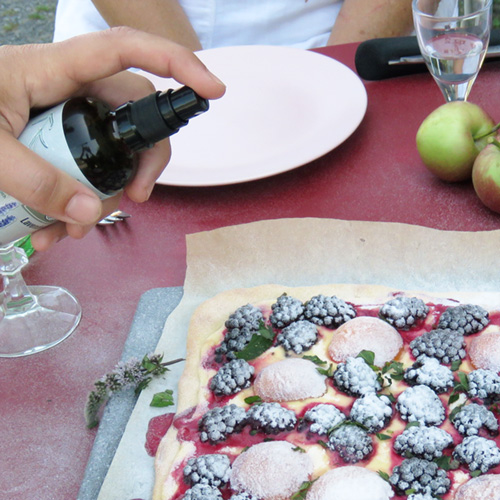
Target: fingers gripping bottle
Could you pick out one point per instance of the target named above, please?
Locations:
(96, 145)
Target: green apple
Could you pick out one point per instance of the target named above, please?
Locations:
(486, 176)
(451, 137)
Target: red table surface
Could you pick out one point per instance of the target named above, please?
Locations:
(375, 175)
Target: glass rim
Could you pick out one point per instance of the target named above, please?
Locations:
(487, 5)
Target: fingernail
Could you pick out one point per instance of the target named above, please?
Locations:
(83, 209)
(216, 79)
(49, 243)
(148, 191)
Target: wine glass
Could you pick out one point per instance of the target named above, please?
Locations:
(453, 37)
(32, 318)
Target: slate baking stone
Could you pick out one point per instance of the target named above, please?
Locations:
(147, 326)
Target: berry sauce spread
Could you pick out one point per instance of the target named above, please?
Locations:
(187, 423)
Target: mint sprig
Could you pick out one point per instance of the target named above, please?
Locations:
(133, 373)
(391, 371)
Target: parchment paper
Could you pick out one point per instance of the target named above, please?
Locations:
(301, 252)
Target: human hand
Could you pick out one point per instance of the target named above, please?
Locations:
(40, 76)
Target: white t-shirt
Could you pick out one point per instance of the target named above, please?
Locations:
(218, 23)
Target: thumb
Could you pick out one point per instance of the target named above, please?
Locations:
(43, 187)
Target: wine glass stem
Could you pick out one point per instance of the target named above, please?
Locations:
(16, 296)
(457, 92)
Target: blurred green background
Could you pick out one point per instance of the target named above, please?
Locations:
(496, 13)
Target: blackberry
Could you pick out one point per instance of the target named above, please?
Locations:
(355, 377)
(220, 422)
(286, 310)
(271, 418)
(484, 384)
(422, 442)
(328, 311)
(420, 404)
(232, 377)
(323, 417)
(478, 453)
(445, 345)
(298, 336)
(372, 411)
(430, 372)
(351, 442)
(420, 476)
(241, 325)
(212, 470)
(421, 496)
(403, 312)
(203, 492)
(465, 319)
(243, 495)
(472, 417)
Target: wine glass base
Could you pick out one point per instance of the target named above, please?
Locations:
(53, 317)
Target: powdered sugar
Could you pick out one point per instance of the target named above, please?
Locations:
(420, 404)
(350, 483)
(365, 333)
(484, 351)
(482, 487)
(272, 470)
(372, 411)
(291, 379)
(323, 418)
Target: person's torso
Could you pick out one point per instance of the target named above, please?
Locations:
(218, 23)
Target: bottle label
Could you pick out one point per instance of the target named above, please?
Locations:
(44, 135)
(17, 220)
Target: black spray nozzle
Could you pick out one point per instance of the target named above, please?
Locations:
(186, 103)
(144, 122)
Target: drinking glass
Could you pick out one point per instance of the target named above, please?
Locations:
(453, 37)
(32, 318)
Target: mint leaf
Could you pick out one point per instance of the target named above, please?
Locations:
(412, 424)
(447, 463)
(383, 437)
(328, 372)
(391, 397)
(454, 412)
(162, 399)
(147, 364)
(257, 346)
(315, 360)
(464, 381)
(368, 357)
(383, 475)
(142, 385)
(303, 489)
(253, 399)
(351, 423)
(266, 331)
